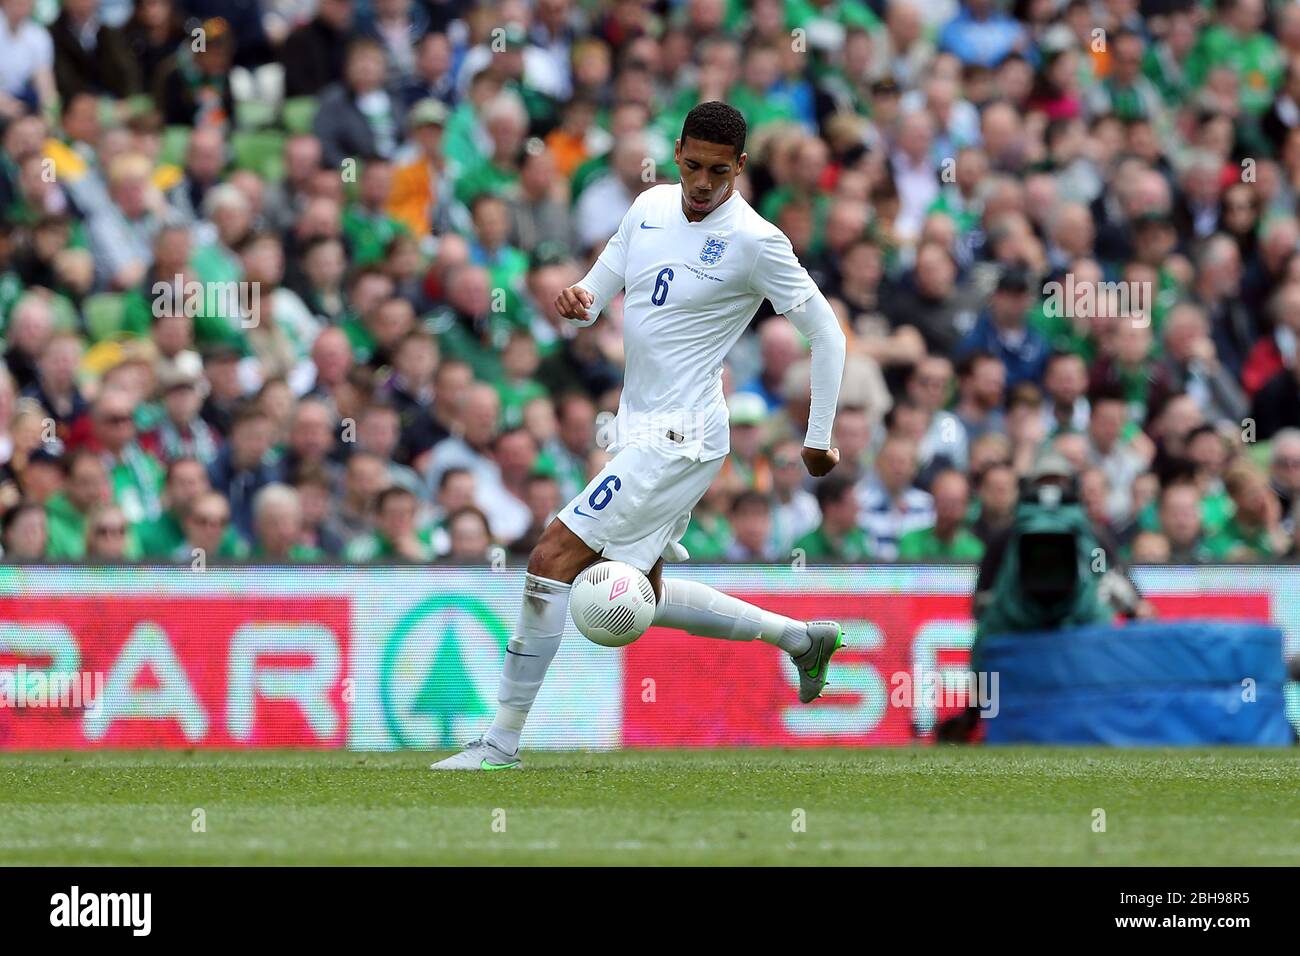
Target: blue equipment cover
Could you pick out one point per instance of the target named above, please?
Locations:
(1151, 684)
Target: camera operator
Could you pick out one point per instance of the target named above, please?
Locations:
(1046, 572)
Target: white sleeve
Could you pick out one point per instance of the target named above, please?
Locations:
(603, 283)
(609, 271)
(816, 320)
(778, 276)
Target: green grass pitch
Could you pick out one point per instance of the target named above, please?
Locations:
(921, 806)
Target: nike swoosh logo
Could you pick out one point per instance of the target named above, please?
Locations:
(821, 652)
(821, 657)
(644, 226)
(579, 511)
(494, 766)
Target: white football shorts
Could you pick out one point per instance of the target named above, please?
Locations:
(637, 509)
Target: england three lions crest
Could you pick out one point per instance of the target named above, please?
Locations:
(713, 249)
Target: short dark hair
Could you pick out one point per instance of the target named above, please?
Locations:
(451, 473)
(379, 405)
(363, 44)
(1055, 358)
(716, 122)
(1106, 392)
(253, 238)
(750, 500)
(538, 478)
(314, 243)
(176, 463)
(11, 517)
(392, 491)
(419, 336)
(68, 103)
(246, 413)
(1026, 393)
(966, 364)
(473, 512)
(979, 480)
(313, 475)
(75, 458)
(510, 433)
(831, 490)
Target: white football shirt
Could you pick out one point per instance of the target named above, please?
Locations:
(691, 290)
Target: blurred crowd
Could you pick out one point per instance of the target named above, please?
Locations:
(277, 277)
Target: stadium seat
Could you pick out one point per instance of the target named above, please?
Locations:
(261, 151)
(299, 113)
(104, 312)
(175, 140)
(137, 105)
(65, 314)
(254, 114)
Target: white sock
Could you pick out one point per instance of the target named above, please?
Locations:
(706, 612)
(528, 655)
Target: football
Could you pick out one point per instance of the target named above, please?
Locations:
(612, 603)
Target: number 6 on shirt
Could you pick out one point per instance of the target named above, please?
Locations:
(660, 294)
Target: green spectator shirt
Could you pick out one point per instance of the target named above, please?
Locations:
(160, 537)
(11, 290)
(568, 470)
(67, 532)
(369, 233)
(816, 545)
(514, 396)
(67, 529)
(484, 176)
(760, 109)
(457, 342)
(137, 481)
(924, 545)
(847, 13)
(359, 337)
(1232, 540)
(375, 547)
(707, 539)
(209, 329)
(1216, 508)
(1168, 76)
(1256, 59)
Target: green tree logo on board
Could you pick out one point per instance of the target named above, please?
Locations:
(426, 678)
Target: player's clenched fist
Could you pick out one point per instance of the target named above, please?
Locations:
(819, 461)
(573, 303)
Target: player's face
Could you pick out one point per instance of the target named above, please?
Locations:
(708, 173)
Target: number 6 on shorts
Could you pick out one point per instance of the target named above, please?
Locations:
(604, 493)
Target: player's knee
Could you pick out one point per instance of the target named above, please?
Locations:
(555, 555)
(542, 560)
